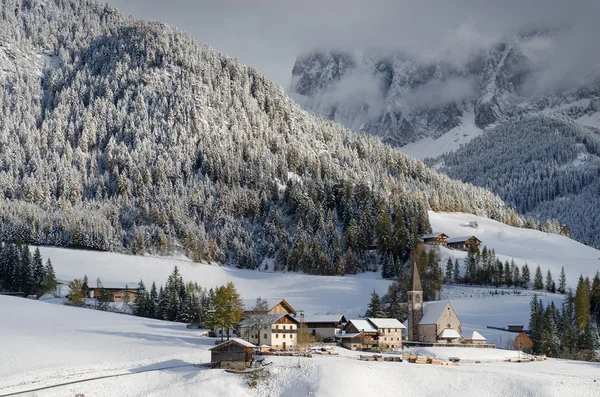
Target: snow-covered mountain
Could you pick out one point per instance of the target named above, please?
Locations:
(130, 136)
(402, 98)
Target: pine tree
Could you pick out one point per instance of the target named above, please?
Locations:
(153, 302)
(549, 281)
(538, 281)
(526, 276)
(387, 266)
(140, 308)
(595, 298)
(374, 309)
(394, 301)
(535, 323)
(449, 267)
(26, 282)
(38, 271)
(103, 298)
(562, 281)
(456, 272)
(49, 282)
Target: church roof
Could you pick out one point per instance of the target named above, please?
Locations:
(416, 280)
(475, 336)
(449, 333)
(432, 311)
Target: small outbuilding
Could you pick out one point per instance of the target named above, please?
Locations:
(234, 353)
(475, 339)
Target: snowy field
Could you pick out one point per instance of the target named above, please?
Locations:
(45, 344)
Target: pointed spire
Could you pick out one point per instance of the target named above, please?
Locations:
(416, 280)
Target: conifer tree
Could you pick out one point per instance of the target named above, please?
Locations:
(38, 270)
(535, 323)
(449, 267)
(549, 281)
(538, 281)
(374, 309)
(76, 295)
(582, 304)
(49, 282)
(562, 281)
(103, 298)
(456, 272)
(526, 276)
(153, 302)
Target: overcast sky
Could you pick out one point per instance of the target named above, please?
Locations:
(269, 34)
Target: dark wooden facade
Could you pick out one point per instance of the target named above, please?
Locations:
(465, 243)
(436, 239)
(232, 354)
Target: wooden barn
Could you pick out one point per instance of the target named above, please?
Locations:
(435, 238)
(234, 354)
(463, 243)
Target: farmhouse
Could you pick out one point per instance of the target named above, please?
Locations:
(114, 291)
(435, 238)
(463, 243)
(384, 333)
(234, 354)
(276, 330)
(281, 307)
(328, 326)
(359, 335)
(433, 322)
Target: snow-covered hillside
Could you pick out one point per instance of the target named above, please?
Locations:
(51, 344)
(550, 251)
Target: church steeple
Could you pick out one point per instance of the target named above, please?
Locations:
(415, 306)
(416, 280)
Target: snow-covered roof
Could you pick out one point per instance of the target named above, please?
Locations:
(342, 336)
(362, 325)
(432, 235)
(386, 323)
(265, 319)
(461, 239)
(237, 340)
(432, 311)
(475, 336)
(449, 333)
(324, 318)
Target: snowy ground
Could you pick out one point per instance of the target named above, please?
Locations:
(449, 142)
(54, 344)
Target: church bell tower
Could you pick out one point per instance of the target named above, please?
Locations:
(415, 306)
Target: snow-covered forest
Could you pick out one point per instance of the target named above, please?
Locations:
(547, 166)
(130, 136)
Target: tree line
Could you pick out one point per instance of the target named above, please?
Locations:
(22, 272)
(570, 331)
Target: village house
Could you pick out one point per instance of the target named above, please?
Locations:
(433, 322)
(234, 354)
(327, 326)
(114, 291)
(358, 335)
(281, 307)
(279, 331)
(463, 243)
(435, 238)
(372, 333)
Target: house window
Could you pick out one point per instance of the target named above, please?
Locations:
(276, 336)
(277, 327)
(265, 336)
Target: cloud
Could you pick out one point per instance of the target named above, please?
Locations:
(269, 34)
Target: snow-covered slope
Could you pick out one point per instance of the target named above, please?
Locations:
(550, 251)
(50, 344)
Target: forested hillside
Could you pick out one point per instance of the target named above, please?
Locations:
(129, 136)
(547, 166)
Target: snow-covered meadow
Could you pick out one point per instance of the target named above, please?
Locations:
(45, 344)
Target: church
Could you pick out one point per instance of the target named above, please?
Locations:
(431, 322)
